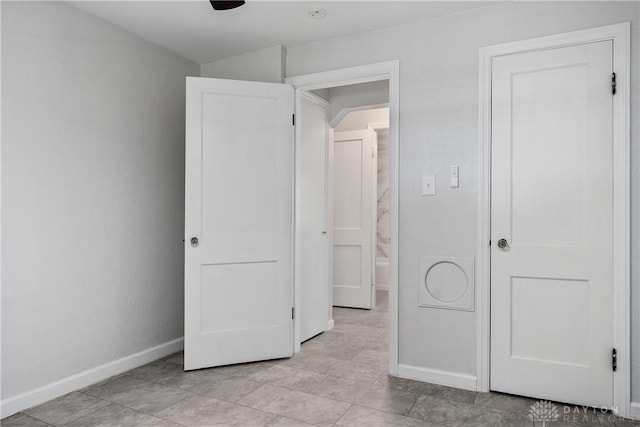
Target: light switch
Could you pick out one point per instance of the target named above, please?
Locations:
(454, 179)
(428, 185)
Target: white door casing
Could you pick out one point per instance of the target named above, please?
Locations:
(239, 206)
(312, 234)
(552, 200)
(353, 215)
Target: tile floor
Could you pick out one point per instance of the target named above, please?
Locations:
(338, 379)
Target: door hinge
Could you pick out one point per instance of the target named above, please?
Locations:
(613, 83)
(489, 242)
(293, 119)
(293, 312)
(614, 360)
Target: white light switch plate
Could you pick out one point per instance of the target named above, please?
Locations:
(428, 185)
(454, 180)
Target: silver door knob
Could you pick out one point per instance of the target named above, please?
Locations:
(194, 241)
(502, 243)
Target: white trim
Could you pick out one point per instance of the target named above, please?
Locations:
(363, 74)
(343, 113)
(86, 378)
(313, 98)
(330, 324)
(635, 411)
(620, 35)
(437, 376)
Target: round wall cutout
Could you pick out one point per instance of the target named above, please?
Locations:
(446, 282)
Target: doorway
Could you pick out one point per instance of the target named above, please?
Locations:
(336, 200)
(342, 225)
(360, 207)
(320, 83)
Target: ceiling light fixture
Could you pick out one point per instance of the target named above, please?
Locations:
(225, 5)
(317, 13)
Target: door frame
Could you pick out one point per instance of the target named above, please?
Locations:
(389, 70)
(619, 34)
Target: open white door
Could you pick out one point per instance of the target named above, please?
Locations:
(552, 224)
(312, 238)
(353, 218)
(238, 222)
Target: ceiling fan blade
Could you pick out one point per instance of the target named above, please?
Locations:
(225, 5)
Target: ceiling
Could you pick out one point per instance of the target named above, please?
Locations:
(193, 30)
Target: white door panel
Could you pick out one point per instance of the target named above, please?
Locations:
(311, 215)
(353, 214)
(552, 191)
(239, 174)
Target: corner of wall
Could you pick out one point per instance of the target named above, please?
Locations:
(264, 65)
(283, 63)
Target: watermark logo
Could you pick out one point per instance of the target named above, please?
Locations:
(543, 411)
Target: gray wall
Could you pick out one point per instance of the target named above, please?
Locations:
(439, 127)
(358, 95)
(360, 119)
(92, 193)
(266, 65)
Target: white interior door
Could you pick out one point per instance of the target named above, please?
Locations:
(552, 192)
(312, 237)
(353, 218)
(238, 222)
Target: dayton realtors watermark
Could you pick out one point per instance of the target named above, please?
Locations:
(546, 413)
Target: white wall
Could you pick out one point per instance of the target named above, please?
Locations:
(266, 65)
(362, 118)
(363, 94)
(439, 127)
(92, 194)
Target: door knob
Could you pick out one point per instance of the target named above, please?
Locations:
(502, 243)
(194, 241)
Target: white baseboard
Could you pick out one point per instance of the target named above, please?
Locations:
(86, 378)
(635, 410)
(330, 325)
(437, 376)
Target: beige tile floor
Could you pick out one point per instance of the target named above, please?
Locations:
(338, 379)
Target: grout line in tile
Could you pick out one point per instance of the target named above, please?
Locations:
(30, 416)
(149, 413)
(89, 413)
